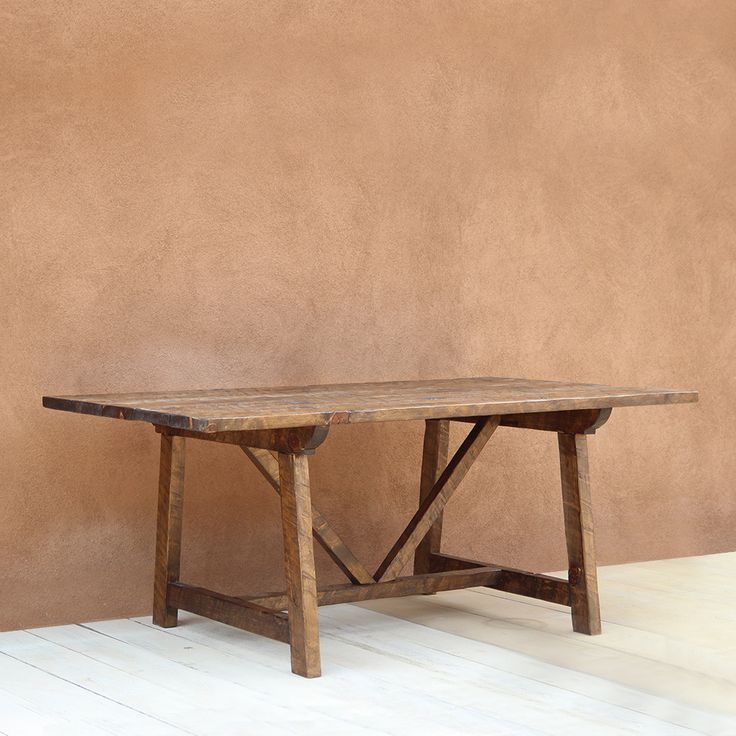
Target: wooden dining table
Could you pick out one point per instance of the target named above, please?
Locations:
(279, 428)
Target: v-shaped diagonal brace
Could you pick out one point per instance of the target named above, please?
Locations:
(323, 532)
(434, 503)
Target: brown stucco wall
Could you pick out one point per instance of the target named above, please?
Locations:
(228, 193)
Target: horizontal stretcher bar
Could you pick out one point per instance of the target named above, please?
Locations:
(228, 610)
(410, 585)
(451, 573)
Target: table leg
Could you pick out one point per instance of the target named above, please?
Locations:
(586, 616)
(434, 461)
(296, 518)
(168, 527)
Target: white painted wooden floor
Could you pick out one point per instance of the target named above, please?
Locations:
(462, 662)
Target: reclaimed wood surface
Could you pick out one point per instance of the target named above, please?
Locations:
(411, 585)
(222, 410)
(579, 421)
(231, 611)
(289, 440)
(434, 461)
(278, 428)
(578, 515)
(301, 578)
(520, 582)
(168, 528)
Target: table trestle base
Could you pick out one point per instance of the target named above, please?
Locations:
(281, 456)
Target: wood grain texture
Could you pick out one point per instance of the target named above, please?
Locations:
(323, 532)
(228, 610)
(578, 515)
(301, 581)
(433, 504)
(434, 461)
(580, 421)
(410, 585)
(511, 580)
(271, 426)
(292, 439)
(222, 410)
(168, 527)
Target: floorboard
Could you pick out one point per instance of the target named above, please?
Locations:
(475, 661)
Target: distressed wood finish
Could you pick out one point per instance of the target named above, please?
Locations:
(294, 439)
(327, 537)
(223, 410)
(433, 504)
(531, 584)
(581, 421)
(578, 514)
(410, 585)
(301, 580)
(434, 460)
(228, 610)
(448, 573)
(278, 428)
(168, 528)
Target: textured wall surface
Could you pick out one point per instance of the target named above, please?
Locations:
(229, 194)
